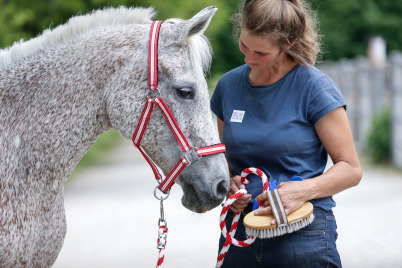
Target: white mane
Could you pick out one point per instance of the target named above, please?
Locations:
(74, 27)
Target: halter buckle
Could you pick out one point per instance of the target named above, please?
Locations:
(191, 156)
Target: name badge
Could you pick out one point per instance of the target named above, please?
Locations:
(237, 116)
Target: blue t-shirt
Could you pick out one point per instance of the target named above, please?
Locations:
(272, 127)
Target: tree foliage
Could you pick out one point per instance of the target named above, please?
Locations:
(346, 25)
(378, 143)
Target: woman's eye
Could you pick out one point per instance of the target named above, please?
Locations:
(185, 93)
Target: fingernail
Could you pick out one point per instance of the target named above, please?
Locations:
(256, 212)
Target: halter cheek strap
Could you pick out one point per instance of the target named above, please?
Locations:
(153, 55)
(190, 154)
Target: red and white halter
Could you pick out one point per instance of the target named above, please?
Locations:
(190, 154)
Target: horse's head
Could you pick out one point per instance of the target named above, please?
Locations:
(183, 56)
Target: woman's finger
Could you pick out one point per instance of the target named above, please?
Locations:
(262, 197)
(263, 211)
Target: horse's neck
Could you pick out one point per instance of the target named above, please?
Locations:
(58, 108)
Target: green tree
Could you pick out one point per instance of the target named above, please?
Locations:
(347, 25)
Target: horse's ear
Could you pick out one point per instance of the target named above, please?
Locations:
(197, 24)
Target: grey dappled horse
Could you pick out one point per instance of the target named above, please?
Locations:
(61, 90)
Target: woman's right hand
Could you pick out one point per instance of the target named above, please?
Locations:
(242, 202)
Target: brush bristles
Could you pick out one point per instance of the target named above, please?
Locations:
(269, 233)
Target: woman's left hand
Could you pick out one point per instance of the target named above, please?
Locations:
(293, 195)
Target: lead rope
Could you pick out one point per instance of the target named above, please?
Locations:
(230, 240)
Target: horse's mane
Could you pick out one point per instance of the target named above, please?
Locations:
(74, 27)
(199, 46)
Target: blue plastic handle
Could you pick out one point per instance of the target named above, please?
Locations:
(296, 178)
(273, 185)
(256, 205)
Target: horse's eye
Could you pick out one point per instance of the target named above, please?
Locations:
(185, 93)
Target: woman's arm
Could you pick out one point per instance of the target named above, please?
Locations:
(334, 132)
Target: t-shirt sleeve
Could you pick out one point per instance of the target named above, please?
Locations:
(216, 102)
(325, 96)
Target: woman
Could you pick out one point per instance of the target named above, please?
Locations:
(280, 114)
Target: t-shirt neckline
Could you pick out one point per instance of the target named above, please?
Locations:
(247, 72)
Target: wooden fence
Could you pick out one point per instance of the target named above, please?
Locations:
(367, 91)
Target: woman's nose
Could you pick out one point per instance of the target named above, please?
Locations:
(250, 57)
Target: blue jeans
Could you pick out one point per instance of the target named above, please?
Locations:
(312, 246)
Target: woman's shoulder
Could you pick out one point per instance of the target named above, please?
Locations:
(310, 72)
(312, 76)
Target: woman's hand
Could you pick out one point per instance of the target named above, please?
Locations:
(242, 202)
(292, 194)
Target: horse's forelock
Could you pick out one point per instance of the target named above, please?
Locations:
(201, 54)
(75, 27)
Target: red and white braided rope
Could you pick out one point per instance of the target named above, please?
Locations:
(230, 240)
(163, 230)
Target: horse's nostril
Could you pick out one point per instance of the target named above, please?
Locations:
(222, 189)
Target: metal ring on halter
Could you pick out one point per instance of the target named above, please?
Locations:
(162, 197)
(155, 94)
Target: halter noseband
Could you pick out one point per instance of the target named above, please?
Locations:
(190, 154)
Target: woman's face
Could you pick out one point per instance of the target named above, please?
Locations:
(260, 52)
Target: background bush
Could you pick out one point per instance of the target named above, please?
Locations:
(378, 145)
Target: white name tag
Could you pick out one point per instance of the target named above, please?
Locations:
(237, 116)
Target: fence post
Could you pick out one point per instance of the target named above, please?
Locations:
(377, 57)
(347, 84)
(396, 108)
(364, 102)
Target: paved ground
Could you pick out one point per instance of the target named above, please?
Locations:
(112, 220)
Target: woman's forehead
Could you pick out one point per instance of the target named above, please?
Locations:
(257, 43)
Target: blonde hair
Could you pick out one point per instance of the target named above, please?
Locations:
(287, 22)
